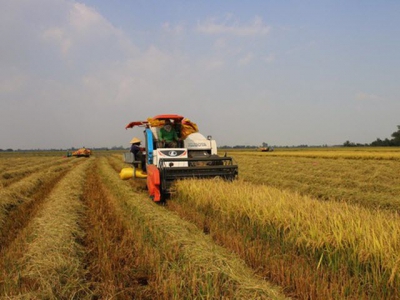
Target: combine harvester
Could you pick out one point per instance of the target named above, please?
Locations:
(194, 156)
(82, 152)
(265, 149)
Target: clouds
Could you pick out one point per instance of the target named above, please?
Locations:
(81, 23)
(246, 59)
(86, 37)
(365, 97)
(50, 50)
(85, 19)
(269, 58)
(11, 83)
(240, 43)
(173, 29)
(230, 26)
(60, 38)
(65, 63)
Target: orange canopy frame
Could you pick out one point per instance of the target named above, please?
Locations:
(136, 123)
(171, 117)
(176, 118)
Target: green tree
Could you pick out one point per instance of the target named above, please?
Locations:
(348, 144)
(396, 137)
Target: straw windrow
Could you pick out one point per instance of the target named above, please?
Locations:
(189, 264)
(16, 173)
(52, 267)
(21, 191)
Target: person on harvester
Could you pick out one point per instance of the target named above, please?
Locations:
(168, 135)
(137, 151)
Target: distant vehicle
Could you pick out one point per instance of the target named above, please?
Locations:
(265, 149)
(82, 152)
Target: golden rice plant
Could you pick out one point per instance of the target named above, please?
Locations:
(377, 153)
(20, 191)
(316, 249)
(369, 182)
(8, 167)
(11, 175)
(185, 263)
(20, 162)
(52, 266)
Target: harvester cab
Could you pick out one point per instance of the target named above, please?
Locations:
(192, 155)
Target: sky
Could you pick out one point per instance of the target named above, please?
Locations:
(286, 73)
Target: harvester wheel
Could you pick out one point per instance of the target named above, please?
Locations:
(164, 198)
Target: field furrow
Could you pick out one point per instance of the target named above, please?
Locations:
(10, 176)
(111, 261)
(45, 261)
(16, 161)
(18, 217)
(21, 192)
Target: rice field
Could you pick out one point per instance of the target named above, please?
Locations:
(367, 177)
(301, 224)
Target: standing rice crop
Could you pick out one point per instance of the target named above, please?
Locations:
(319, 250)
(373, 183)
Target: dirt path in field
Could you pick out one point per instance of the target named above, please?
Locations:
(109, 244)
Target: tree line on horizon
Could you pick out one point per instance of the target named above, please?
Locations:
(395, 141)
